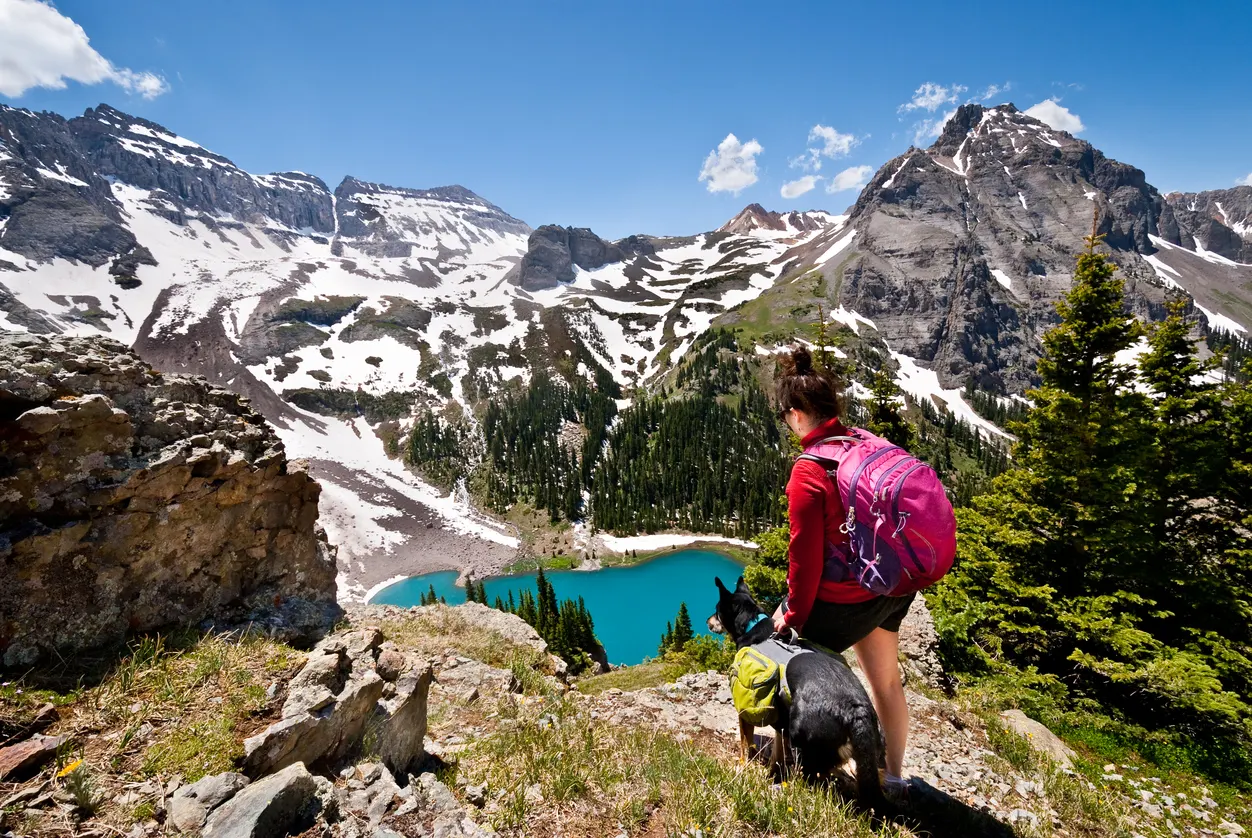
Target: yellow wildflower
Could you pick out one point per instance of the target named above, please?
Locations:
(70, 769)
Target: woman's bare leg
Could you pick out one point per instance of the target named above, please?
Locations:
(879, 656)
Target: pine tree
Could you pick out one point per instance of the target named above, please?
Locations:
(1061, 566)
(682, 628)
(886, 418)
(667, 639)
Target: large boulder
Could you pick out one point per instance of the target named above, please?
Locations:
(353, 695)
(281, 804)
(191, 805)
(133, 501)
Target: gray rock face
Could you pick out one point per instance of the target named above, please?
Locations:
(1220, 221)
(553, 251)
(998, 192)
(56, 203)
(350, 695)
(278, 805)
(146, 155)
(190, 806)
(132, 500)
(60, 201)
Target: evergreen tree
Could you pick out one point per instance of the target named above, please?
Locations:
(667, 639)
(1075, 567)
(682, 628)
(886, 416)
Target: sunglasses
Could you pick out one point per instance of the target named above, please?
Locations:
(782, 413)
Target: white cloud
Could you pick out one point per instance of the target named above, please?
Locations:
(853, 178)
(1247, 181)
(930, 129)
(1053, 113)
(796, 188)
(995, 90)
(834, 144)
(931, 97)
(40, 47)
(732, 167)
(824, 141)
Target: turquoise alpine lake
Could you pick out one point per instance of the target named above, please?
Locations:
(630, 605)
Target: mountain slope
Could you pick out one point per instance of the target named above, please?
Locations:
(367, 302)
(306, 298)
(957, 253)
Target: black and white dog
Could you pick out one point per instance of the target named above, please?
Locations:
(830, 718)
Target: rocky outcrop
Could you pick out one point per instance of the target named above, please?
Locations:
(552, 253)
(1220, 221)
(190, 806)
(351, 685)
(132, 501)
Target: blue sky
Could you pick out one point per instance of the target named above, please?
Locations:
(604, 115)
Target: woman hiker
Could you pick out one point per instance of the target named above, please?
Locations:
(838, 615)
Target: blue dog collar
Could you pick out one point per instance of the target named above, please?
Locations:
(758, 618)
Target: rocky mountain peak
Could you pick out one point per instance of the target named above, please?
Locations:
(754, 218)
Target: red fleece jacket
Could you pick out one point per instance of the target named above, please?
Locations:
(816, 513)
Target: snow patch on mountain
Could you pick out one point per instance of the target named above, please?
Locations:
(922, 383)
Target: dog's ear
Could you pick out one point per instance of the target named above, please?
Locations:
(720, 586)
(741, 587)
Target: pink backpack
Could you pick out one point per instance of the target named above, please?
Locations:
(900, 525)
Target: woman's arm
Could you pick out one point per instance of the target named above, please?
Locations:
(806, 507)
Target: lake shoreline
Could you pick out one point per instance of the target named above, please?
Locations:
(631, 603)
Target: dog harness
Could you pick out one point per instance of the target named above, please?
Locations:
(758, 678)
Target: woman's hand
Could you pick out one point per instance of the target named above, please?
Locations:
(780, 622)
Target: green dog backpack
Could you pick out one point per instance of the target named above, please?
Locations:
(754, 683)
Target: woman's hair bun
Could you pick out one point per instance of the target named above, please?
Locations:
(798, 362)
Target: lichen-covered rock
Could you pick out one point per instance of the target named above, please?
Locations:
(191, 805)
(339, 704)
(282, 804)
(132, 501)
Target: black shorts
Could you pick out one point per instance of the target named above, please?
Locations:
(839, 626)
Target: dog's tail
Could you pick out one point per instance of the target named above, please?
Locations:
(871, 760)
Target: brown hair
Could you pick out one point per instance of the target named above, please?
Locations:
(804, 388)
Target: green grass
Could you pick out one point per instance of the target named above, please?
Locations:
(1083, 809)
(589, 774)
(530, 565)
(631, 678)
(446, 628)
